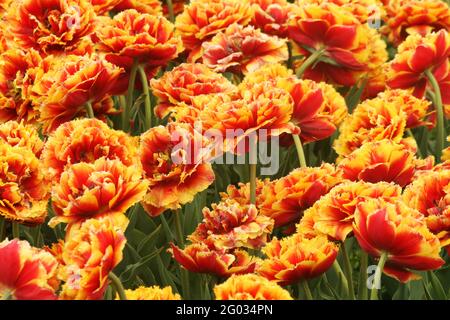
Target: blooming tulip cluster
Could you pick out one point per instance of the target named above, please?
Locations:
(136, 138)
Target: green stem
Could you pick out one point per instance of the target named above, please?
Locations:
(131, 84)
(308, 293)
(300, 152)
(341, 276)
(148, 105)
(440, 128)
(289, 61)
(348, 271)
(419, 153)
(362, 287)
(2, 229)
(377, 278)
(309, 62)
(15, 230)
(108, 294)
(89, 110)
(115, 281)
(122, 102)
(170, 9)
(253, 160)
(253, 184)
(180, 240)
(179, 229)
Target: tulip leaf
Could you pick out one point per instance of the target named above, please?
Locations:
(169, 235)
(354, 95)
(148, 240)
(437, 290)
(163, 273)
(132, 269)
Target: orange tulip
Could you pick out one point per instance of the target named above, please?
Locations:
(71, 83)
(104, 187)
(262, 106)
(380, 161)
(50, 26)
(333, 214)
(269, 72)
(21, 135)
(152, 293)
(24, 190)
(250, 287)
(89, 254)
(198, 257)
(401, 233)
(407, 17)
(285, 199)
(318, 108)
(86, 140)
(232, 225)
(297, 258)
(271, 16)
(363, 10)
(345, 45)
(185, 82)
(241, 49)
(446, 152)
(26, 273)
(416, 55)
(174, 172)
(152, 7)
(16, 79)
(241, 193)
(429, 194)
(102, 7)
(202, 19)
(384, 117)
(133, 36)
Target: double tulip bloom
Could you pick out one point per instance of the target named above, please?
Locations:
(241, 49)
(405, 17)
(24, 187)
(380, 161)
(86, 140)
(27, 273)
(333, 214)
(232, 225)
(17, 75)
(345, 47)
(429, 194)
(384, 117)
(102, 188)
(185, 82)
(297, 258)
(53, 26)
(250, 287)
(400, 233)
(285, 199)
(415, 56)
(90, 252)
(133, 37)
(152, 293)
(174, 170)
(70, 84)
(198, 257)
(202, 19)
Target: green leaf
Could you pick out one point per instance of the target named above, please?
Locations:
(164, 274)
(169, 235)
(354, 95)
(148, 240)
(437, 290)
